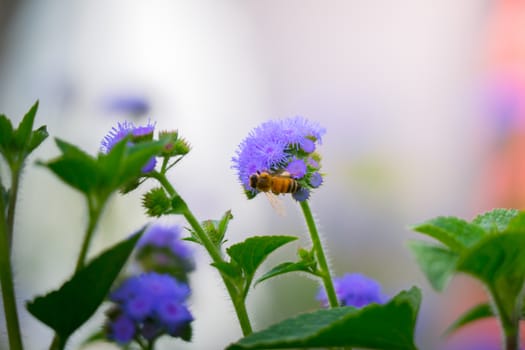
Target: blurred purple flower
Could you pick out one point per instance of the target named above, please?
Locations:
(355, 289)
(149, 304)
(134, 105)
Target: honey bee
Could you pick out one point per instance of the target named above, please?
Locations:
(274, 184)
(279, 183)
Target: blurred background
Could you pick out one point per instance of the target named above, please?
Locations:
(423, 102)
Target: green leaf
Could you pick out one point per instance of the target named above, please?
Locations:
(437, 263)
(499, 262)
(517, 224)
(223, 223)
(285, 267)
(75, 167)
(496, 220)
(137, 156)
(227, 268)
(37, 137)
(478, 312)
(254, 250)
(389, 326)
(455, 233)
(66, 309)
(23, 132)
(6, 133)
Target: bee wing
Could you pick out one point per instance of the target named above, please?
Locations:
(276, 203)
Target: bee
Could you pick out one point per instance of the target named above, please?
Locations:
(279, 183)
(274, 184)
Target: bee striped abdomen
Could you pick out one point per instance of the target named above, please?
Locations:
(282, 184)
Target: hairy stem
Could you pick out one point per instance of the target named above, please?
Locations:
(319, 252)
(94, 215)
(216, 256)
(11, 205)
(8, 290)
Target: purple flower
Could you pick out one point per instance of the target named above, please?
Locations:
(116, 134)
(161, 249)
(276, 146)
(355, 289)
(122, 330)
(134, 105)
(151, 303)
(316, 180)
(296, 168)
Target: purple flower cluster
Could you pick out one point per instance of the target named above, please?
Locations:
(138, 133)
(161, 249)
(147, 306)
(283, 145)
(354, 289)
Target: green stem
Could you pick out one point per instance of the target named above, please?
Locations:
(215, 254)
(11, 205)
(319, 252)
(94, 215)
(8, 290)
(509, 323)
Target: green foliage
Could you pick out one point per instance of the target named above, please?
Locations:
(437, 262)
(389, 326)
(156, 202)
(455, 233)
(247, 256)
(497, 220)
(498, 261)
(307, 263)
(98, 177)
(490, 248)
(215, 229)
(478, 312)
(66, 309)
(17, 144)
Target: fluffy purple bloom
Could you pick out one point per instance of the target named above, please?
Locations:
(277, 145)
(162, 249)
(301, 195)
(316, 180)
(122, 330)
(296, 168)
(151, 303)
(124, 129)
(355, 289)
(166, 237)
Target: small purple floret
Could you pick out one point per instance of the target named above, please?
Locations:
(355, 289)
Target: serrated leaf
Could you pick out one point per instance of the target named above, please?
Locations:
(389, 326)
(496, 220)
(250, 253)
(437, 263)
(455, 233)
(66, 309)
(23, 132)
(516, 224)
(476, 313)
(499, 262)
(286, 267)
